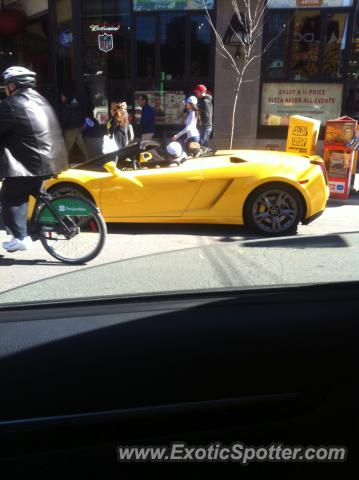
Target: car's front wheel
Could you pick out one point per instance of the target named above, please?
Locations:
(273, 209)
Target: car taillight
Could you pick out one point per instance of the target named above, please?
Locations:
(322, 166)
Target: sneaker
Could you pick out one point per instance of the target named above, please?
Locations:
(17, 244)
(7, 243)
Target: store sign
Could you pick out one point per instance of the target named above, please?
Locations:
(150, 5)
(105, 28)
(321, 101)
(105, 42)
(309, 3)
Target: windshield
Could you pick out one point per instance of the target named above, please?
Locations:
(191, 167)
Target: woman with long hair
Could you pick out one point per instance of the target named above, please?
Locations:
(191, 130)
(119, 125)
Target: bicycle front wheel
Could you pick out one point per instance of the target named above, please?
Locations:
(72, 229)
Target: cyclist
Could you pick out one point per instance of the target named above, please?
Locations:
(32, 149)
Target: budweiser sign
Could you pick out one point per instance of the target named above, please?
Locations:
(105, 28)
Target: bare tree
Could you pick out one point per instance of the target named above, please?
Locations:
(248, 36)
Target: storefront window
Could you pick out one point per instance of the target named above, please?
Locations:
(310, 45)
(277, 56)
(172, 45)
(65, 54)
(321, 101)
(107, 65)
(162, 52)
(153, 5)
(351, 106)
(31, 49)
(335, 41)
(200, 46)
(105, 7)
(146, 46)
(167, 105)
(306, 43)
(36, 54)
(304, 66)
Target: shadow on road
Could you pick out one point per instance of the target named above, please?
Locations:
(4, 261)
(352, 200)
(227, 233)
(320, 241)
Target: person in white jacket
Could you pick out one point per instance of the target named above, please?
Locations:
(191, 131)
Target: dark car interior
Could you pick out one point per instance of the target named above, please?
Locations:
(130, 158)
(79, 378)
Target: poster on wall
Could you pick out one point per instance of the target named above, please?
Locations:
(167, 105)
(309, 3)
(321, 101)
(150, 5)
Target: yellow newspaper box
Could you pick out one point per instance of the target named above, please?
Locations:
(302, 135)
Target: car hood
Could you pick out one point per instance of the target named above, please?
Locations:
(237, 265)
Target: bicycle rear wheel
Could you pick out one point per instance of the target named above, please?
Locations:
(80, 236)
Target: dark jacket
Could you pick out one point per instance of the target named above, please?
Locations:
(121, 134)
(31, 141)
(206, 111)
(147, 119)
(72, 115)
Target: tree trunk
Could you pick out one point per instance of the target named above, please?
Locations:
(234, 111)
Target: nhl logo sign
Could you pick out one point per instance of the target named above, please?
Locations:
(105, 42)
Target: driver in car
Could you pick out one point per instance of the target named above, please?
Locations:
(175, 152)
(174, 156)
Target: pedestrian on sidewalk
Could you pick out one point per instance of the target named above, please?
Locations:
(192, 116)
(205, 106)
(72, 120)
(147, 118)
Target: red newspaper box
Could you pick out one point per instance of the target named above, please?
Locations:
(338, 156)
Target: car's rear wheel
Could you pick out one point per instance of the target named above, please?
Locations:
(273, 209)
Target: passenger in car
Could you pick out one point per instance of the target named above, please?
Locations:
(196, 150)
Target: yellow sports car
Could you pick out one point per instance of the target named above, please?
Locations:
(270, 192)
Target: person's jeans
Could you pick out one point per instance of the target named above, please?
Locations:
(74, 136)
(147, 136)
(205, 134)
(14, 198)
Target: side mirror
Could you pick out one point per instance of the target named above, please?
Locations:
(111, 168)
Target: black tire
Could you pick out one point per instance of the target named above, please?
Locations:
(49, 239)
(67, 188)
(273, 209)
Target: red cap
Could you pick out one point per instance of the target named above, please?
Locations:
(200, 89)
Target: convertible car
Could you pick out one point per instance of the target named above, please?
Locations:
(268, 191)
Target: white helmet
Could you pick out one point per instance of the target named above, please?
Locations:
(175, 149)
(20, 76)
(192, 99)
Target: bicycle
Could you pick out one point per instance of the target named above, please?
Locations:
(71, 229)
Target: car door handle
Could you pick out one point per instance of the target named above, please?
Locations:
(194, 179)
